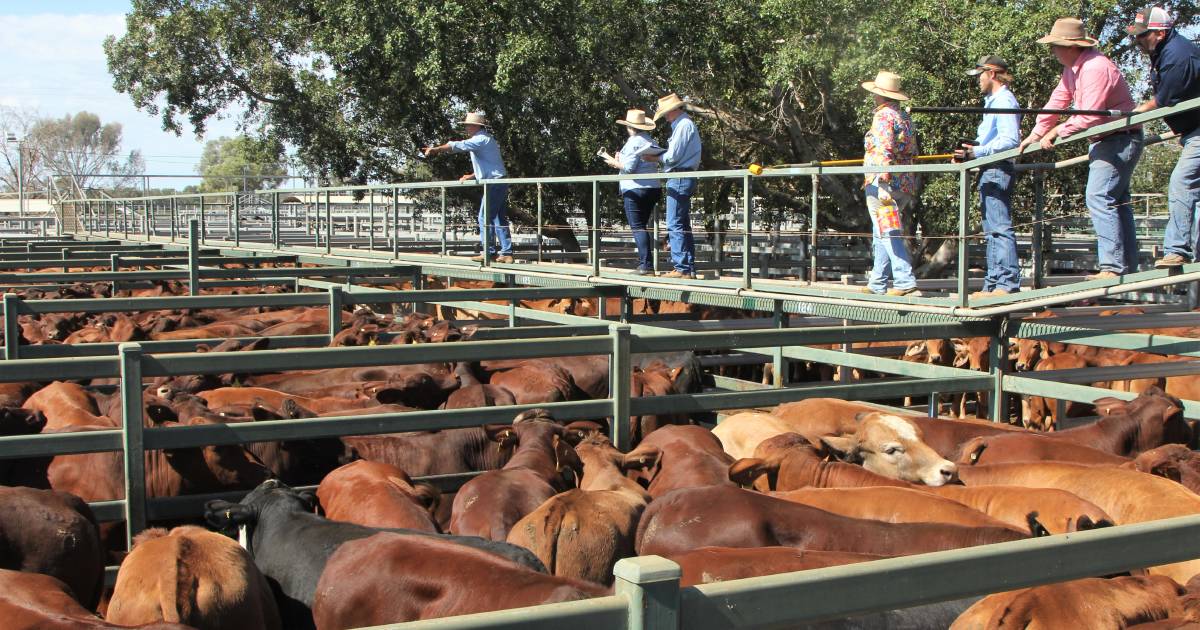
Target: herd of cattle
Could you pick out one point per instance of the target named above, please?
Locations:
(809, 484)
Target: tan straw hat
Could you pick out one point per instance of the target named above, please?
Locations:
(886, 84)
(474, 118)
(1068, 32)
(666, 104)
(636, 118)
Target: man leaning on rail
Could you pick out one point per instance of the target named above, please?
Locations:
(1174, 77)
(1092, 81)
(486, 163)
(997, 133)
(683, 154)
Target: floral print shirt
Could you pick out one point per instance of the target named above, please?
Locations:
(891, 140)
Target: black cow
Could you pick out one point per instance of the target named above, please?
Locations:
(291, 544)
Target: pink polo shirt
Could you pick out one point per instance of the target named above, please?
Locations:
(1092, 82)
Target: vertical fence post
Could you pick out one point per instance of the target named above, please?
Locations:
(174, 219)
(395, 223)
(595, 244)
(443, 202)
(371, 221)
(146, 216)
(132, 440)
(779, 364)
(328, 222)
(12, 330)
(203, 224)
(512, 312)
(962, 237)
(539, 223)
(66, 253)
(115, 262)
(485, 227)
(108, 212)
(237, 220)
(620, 372)
(747, 218)
(654, 220)
(812, 231)
(335, 312)
(1039, 215)
(193, 258)
(998, 362)
(275, 220)
(651, 583)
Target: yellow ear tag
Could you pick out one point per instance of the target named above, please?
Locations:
(371, 342)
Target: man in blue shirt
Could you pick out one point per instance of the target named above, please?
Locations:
(683, 154)
(486, 164)
(1175, 77)
(997, 133)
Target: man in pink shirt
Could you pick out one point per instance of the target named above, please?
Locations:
(1092, 81)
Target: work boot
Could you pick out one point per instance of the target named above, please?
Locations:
(1104, 275)
(477, 259)
(910, 292)
(643, 271)
(503, 259)
(679, 274)
(1170, 261)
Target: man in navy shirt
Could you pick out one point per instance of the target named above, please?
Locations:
(1175, 77)
(683, 154)
(486, 164)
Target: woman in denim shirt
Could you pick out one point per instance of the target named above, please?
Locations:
(639, 195)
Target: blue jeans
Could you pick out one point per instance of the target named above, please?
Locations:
(1183, 197)
(892, 263)
(639, 204)
(495, 219)
(679, 224)
(995, 193)
(1112, 162)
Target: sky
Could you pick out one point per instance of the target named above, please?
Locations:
(53, 63)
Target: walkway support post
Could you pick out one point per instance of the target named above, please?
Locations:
(963, 246)
(747, 217)
(620, 369)
(651, 583)
(193, 258)
(132, 440)
(12, 329)
(335, 312)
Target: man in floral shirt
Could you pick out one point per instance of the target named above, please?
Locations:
(890, 140)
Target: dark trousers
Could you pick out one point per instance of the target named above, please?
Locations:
(639, 205)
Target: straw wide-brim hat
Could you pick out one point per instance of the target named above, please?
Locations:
(636, 118)
(473, 118)
(886, 84)
(666, 104)
(1068, 32)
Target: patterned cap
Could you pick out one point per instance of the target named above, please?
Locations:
(989, 62)
(1151, 19)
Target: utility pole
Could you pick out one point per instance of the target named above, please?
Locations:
(12, 139)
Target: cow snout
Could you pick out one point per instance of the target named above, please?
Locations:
(1021, 366)
(943, 474)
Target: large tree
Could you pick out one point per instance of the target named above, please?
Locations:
(241, 163)
(68, 155)
(358, 85)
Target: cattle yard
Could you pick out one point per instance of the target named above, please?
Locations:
(164, 250)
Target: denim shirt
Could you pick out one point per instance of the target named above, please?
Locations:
(631, 162)
(683, 153)
(999, 132)
(1175, 76)
(485, 155)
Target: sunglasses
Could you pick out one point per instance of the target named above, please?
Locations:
(1142, 35)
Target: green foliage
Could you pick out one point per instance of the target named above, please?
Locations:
(357, 85)
(241, 163)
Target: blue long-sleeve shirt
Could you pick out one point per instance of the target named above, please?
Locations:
(1175, 76)
(683, 149)
(485, 155)
(999, 132)
(631, 162)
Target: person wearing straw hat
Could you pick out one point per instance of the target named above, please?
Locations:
(997, 132)
(639, 195)
(683, 154)
(1092, 81)
(486, 164)
(1174, 77)
(890, 140)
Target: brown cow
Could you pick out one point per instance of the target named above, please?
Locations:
(54, 533)
(472, 393)
(724, 516)
(720, 564)
(191, 575)
(390, 578)
(1093, 603)
(65, 405)
(1059, 511)
(535, 382)
(1128, 428)
(689, 457)
(1018, 447)
(1127, 495)
(274, 400)
(582, 533)
(489, 505)
(375, 494)
(789, 462)
(423, 453)
(32, 601)
(895, 505)
(1173, 461)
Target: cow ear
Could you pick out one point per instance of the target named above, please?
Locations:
(916, 348)
(746, 471)
(501, 433)
(1167, 470)
(428, 496)
(225, 515)
(160, 413)
(641, 459)
(971, 450)
(311, 502)
(845, 447)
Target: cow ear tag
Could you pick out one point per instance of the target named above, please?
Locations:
(243, 538)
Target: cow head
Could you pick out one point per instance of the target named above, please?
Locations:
(17, 421)
(604, 466)
(891, 446)
(1029, 352)
(762, 471)
(1160, 419)
(244, 515)
(217, 467)
(972, 352)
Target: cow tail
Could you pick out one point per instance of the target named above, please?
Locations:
(177, 589)
(544, 535)
(1035, 527)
